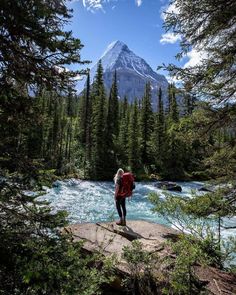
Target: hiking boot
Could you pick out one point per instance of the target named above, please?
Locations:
(120, 222)
(123, 222)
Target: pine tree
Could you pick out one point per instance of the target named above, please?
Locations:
(113, 109)
(88, 129)
(173, 114)
(213, 39)
(133, 140)
(84, 111)
(188, 99)
(35, 135)
(31, 54)
(85, 128)
(98, 125)
(70, 120)
(112, 128)
(123, 132)
(159, 133)
(146, 125)
(169, 103)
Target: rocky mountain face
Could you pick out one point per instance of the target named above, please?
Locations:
(133, 72)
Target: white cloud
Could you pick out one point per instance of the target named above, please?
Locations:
(79, 78)
(61, 69)
(172, 8)
(173, 79)
(96, 5)
(170, 38)
(138, 2)
(195, 57)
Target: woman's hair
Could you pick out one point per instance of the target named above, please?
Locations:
(118, 175)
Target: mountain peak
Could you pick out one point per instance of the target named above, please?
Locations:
(112, 53)
(133, 72)
(115, 45)
(118, 56)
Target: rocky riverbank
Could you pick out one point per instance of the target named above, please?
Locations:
(110, 239)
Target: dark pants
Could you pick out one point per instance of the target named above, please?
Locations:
(120, 206)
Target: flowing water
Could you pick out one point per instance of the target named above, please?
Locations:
(93, 201)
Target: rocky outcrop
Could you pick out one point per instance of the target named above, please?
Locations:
(110, 239)
(167, 185)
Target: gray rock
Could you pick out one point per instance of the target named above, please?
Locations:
(206, 189)
(170, 186)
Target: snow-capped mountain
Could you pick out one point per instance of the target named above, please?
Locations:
(133, 72)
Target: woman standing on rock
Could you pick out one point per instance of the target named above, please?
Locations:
(120, 201)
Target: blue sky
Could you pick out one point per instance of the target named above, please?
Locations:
(138, 23)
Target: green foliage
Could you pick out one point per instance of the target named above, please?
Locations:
(172, 208)
(136, 256)
(85, 130)
(133, 139)
(174, 155)
(173, 114)
(34, 50)
(37, 258)
(215, 41)
(182, 278)
(112, 129)
(123, 126)
(209, 80)
(141, 264)
(98, 125)
(159, 134)
(227, 155)
(175, 274)
(113, 111)
(189, 99)
(38, 117)
(146, 125)
(201, 216)
(85, 112)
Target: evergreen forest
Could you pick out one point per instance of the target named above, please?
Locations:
(92, 134)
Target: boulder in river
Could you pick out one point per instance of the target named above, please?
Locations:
(167, 185)
(206, 189)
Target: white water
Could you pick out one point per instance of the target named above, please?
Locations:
(92, 201)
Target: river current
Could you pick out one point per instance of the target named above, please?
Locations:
(93, 201)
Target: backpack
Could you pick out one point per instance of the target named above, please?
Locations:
(127, 185)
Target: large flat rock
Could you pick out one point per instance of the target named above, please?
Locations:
(111, 238)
